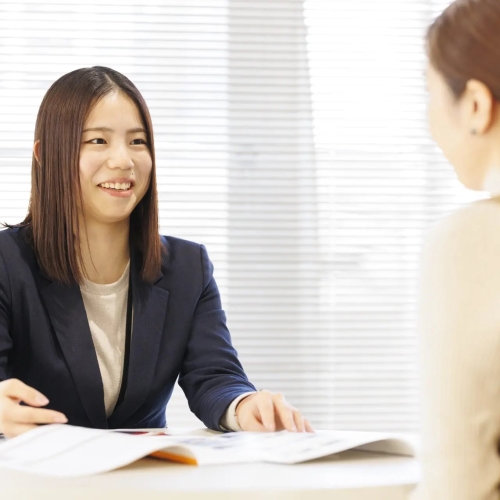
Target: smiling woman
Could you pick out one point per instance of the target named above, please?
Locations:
(99, 314)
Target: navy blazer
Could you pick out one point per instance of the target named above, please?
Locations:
(179, 330)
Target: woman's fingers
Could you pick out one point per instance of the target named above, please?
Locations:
(299, 420)
(265, 407)
(19, 391)
(252, 425)
(256, 412)
(16, 418)
(265, 411)
(285, 412)
(27, 415)
(308, 426)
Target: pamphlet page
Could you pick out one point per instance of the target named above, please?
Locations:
(66, 451)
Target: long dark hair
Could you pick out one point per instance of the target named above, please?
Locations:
(52, 220)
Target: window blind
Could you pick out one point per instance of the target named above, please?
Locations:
(383, 182)
(291, 141)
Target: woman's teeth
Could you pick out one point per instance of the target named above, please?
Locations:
(120, 186)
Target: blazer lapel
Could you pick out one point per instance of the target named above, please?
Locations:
(69, 320)
(149, 313)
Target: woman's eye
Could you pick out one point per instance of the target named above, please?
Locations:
(139, 141)
(97, 141)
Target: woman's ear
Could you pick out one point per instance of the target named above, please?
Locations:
(481, 106)
(36, 151)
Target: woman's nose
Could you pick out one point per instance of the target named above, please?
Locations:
(120, 158)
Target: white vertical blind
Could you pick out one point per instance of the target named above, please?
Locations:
(382, 181)
(291, 141)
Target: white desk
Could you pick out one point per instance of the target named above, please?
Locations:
(349, 476)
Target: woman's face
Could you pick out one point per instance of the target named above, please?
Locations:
(115, 161)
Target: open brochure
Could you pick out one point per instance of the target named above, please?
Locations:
(68, 451)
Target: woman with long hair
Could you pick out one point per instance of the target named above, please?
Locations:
(99, 314)
(460, 283)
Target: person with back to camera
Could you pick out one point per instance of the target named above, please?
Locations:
(459, 311)
(99, 314)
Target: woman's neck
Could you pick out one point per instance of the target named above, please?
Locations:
(105, 250)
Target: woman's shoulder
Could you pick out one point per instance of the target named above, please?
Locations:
(10, 240)
(469, 234)
(179, 250)
(480, 219)
(185, 256)
(174, 241)
(17, 257)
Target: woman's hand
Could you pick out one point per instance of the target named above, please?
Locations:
(267, 411)
(16, 419)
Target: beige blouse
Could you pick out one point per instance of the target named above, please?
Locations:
(106, 307)
(459, 328)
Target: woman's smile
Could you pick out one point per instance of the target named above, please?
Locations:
(121, 188)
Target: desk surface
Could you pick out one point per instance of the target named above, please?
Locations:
(350, 475)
